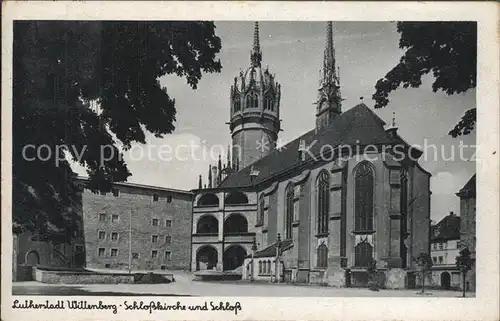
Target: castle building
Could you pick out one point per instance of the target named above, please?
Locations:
(445, 247)
(134, 227)
(320, 208)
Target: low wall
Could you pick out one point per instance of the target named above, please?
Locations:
(24, 273)
(69, 277)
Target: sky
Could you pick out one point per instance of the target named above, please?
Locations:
(293, 51)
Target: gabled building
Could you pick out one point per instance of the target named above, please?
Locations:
(322, 207)
(445, 247)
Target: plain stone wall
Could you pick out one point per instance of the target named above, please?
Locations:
(138, 203)
(468, 234)
(395, 279)
(52, 277)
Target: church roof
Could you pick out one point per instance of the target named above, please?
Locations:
(356, 126)
(469, 189)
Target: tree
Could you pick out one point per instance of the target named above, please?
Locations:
(59, 70)
(448, 50)
(372, 275)
(424, 264)
(464, 263)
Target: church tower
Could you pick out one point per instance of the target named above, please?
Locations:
(254, 112)
(329, 99)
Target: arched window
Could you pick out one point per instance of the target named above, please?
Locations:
(207, 225)
(363, 184)
(237, 103)
(236, 198)
(323, 198)
(268, 103)
(363, 254)
(289, 211)
(208, 200)
(260, 218)
(252, 100)
(322, 260)
(235, 223)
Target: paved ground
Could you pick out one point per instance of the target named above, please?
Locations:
(185, 286)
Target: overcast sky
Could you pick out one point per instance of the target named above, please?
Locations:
(365, 51)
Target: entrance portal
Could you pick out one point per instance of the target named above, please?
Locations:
(445, 280)
(206, 258)
(234, 257)
(32, 258)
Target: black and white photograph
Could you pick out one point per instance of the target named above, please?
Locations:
(178, 159)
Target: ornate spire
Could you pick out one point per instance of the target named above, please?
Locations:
(329, 72)
(256, 55)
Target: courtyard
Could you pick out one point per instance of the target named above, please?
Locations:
(185, 286)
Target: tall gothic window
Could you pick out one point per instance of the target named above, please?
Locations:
(323, 202)
(268, 103)
(237, 103)
(260, 218)
(363, 184)
(252, 100)
(289, 211)
(322, 260)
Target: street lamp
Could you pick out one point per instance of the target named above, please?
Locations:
(254, 248)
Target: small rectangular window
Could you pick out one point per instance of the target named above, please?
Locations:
(169, 199)
(154, 238)
(114, 252)
(107, 266)
(154, 254)
(168, 255)
(116, 192)
(434, 260)
(156, 197)
(440, 246)
(102, 251)
(155, 222)
(440, 260)
(168, 223)
(163, 267)
(114, 236)
(168, 239)
(102, 217)
(135, 255)
(114, 218)
(102, 235)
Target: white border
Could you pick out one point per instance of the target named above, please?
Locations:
(483, 307)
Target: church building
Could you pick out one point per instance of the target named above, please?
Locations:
(319, 209)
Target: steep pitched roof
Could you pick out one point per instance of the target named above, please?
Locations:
(447, 229)
(469, 189)
(270, 251)
(357, 126)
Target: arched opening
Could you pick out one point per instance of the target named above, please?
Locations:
(322, 260)
(235, 223)
(234, 257)
(32, 258)
(252, 100)
(208, 200)
(445, 280)
(207, 224)
(363, 254)
(289, 213)
(206, 258)
(236, 198)
(323, 197)
(363, 196)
